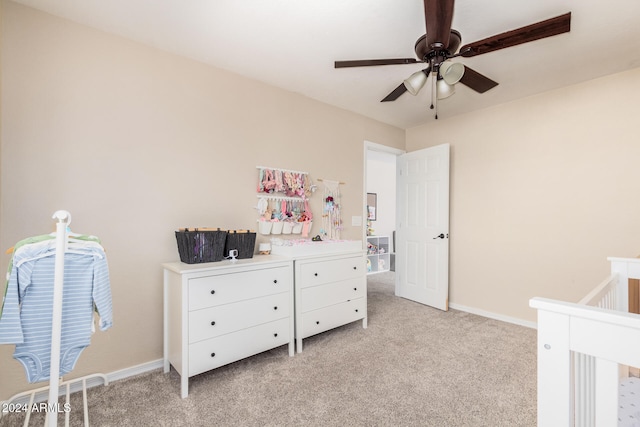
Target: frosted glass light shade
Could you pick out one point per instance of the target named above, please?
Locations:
(443, 89)
(451, 72)
(415, 82)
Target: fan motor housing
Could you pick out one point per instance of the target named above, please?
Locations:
(439, 54)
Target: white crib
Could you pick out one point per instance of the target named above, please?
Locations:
(585, 352)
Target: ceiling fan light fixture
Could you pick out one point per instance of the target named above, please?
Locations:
(444, 90)
(451, 72)
(415, 82)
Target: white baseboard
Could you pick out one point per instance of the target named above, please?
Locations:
(42, 395)
(135, 370)
(494, 316)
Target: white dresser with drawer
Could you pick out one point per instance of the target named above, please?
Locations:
(330, 291)
(218, 313)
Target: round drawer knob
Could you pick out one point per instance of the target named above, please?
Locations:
(317, 322)
(355, 289)
(213, 323)
(275, 335)
(275, 308)
(315, 274)
(355, 268)
(356, 310)
(213, 355)
(275, 281)
(213, 291)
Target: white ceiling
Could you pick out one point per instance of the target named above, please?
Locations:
(293, 44)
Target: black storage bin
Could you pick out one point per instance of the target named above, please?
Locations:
(198, 245)
(242, 240)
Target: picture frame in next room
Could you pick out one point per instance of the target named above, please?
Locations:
(372, 206)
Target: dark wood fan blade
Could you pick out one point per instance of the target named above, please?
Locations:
(395, 94)
(372, 62)
(438, 15)
(477, 81)
(550, 27)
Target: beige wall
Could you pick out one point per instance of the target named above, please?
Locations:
(135, 143)
(542, 191)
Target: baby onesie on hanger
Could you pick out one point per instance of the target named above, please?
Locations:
(37, 239)
(26, 320)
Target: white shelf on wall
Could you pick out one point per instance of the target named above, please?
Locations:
(378, 254)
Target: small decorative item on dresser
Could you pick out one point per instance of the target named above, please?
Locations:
(264, 248)
(242, 240)
(197, 245)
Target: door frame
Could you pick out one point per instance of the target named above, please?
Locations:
(372, 146)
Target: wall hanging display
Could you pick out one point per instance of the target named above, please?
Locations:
(283, 203)
(331, 214)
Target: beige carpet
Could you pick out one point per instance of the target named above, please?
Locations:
(413, 366)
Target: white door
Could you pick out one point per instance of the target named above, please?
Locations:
(422, 233)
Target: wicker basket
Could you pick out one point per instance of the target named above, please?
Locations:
(242, 240)
(197, 245)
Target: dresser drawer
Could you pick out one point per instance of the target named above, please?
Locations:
(223, 319)
(315, 297)
(320, 272)
(219, 351)
(226, 288)
(333, 316)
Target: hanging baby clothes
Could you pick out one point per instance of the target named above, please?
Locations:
(331, 216)
(289, 192)
(26, 316)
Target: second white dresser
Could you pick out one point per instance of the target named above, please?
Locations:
(330, 291)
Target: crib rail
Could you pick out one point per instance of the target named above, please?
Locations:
(605, 338)
(604, 295)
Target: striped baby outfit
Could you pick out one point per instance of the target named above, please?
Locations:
(28, 304)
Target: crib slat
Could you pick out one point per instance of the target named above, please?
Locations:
(584, 373)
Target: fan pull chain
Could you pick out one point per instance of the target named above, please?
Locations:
(433, 85)
(434, 93)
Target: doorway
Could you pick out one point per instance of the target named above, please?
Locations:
(419, 235)
(380, 209)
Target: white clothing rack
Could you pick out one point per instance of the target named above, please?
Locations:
(63, 219)
(28, 398)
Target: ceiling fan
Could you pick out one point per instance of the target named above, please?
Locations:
(441, 43)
